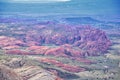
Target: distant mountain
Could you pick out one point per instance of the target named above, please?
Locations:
(82, 20)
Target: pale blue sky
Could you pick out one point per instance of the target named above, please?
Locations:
(61, 6)
(34, 1)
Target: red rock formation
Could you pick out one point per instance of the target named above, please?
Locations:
(56, 74)
(11, 47)
(66, 67)
(16, 51)
(10, 42)
(58, 51)
(32, 43)
(58, 78)
(75, 69)
(38, 49)
(64, 50)
(92, 41)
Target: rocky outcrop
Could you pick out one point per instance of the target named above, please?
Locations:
(8, 74)
(7, 43)
(64, 51)
(89, 41)
(17, 51)
(92, 41)
(20, 69)
(15, 63)
(38, 49)
(66, 67)
(35, 73)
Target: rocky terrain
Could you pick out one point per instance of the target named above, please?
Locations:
(49, 50)
(20, 69)
(63, 40)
